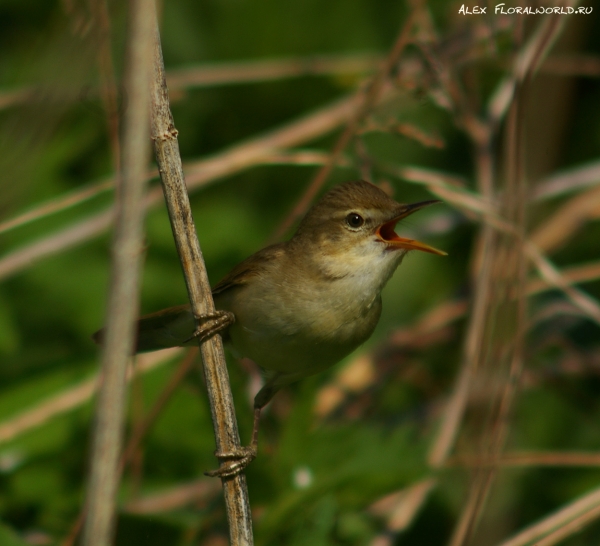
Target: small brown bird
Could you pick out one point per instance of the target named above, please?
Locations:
(296, 308)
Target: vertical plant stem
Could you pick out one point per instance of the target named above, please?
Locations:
(123, 296)
(166, 149)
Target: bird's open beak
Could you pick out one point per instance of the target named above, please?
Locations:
(386, 232)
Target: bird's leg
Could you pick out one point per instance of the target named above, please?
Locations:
(213, 323)
(241, 457)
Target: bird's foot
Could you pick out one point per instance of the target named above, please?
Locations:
(237, 461)
(213, 323)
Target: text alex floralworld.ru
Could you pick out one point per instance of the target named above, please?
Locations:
(501, 9)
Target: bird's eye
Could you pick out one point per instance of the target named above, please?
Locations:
(354, 220)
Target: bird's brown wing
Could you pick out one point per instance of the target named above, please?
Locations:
(175, 326)
(249, 268)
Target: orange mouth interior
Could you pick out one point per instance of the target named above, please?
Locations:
(386, 232)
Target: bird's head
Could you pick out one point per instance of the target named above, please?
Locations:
(352, 228)
(356, 213)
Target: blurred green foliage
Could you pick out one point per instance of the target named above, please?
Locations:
(314, 479)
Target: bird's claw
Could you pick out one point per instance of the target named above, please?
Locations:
(213, 324)
(239, 459)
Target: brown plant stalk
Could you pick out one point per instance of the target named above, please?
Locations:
(166, 149)
(123, 295)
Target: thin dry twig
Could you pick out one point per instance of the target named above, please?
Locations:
(573, 274)
(73, 397)
(567, 220)
(399, 510)
(123, 294)
(570, 528)
(235, 73)
(568, 181)
(257, 150)
(429, 177)
(75, 234)
(589, 503)
(553, 276)
(276, 69)
(529, 458)
(62, 203)
(174, 498)
(168, 158)
(408, 130)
